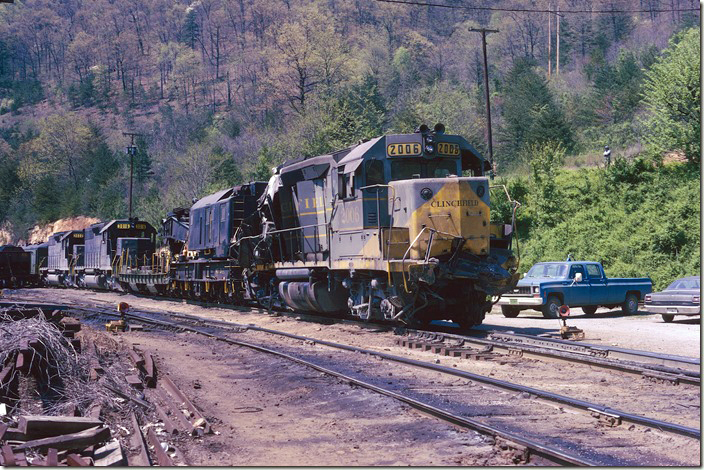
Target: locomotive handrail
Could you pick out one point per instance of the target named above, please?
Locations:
(427, 252)
(515, 204)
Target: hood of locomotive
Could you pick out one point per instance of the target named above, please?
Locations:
(448, 220)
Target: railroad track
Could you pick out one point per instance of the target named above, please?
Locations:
(215, 329)
(656, 367)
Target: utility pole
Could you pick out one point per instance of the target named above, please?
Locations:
(549, 42)
(131, 151)
(484, 31)
(557, 52)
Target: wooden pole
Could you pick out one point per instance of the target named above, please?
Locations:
(549, 41)
(483, 31)
(557, 52)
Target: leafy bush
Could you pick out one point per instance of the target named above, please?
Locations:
(635, 218)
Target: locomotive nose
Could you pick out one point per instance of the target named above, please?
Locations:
(455, 210)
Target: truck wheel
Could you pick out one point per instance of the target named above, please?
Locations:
(667, 318)
(551, 307)
(630, 306)
(510, 312)
(591, 310)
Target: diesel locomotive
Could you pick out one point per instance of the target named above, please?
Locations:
(388, 229)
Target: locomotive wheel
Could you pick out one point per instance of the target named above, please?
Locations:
(473, 313)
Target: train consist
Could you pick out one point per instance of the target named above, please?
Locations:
(387, 229)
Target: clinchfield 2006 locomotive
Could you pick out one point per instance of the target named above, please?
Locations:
(387, 229)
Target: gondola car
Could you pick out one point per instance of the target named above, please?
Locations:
(15, 267)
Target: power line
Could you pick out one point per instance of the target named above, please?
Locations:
(528, 10)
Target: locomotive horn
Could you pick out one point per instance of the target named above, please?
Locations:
(564, 311)
(439, 128)
(422, 129)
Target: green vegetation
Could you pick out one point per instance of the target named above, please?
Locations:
(224, 90)
(672, 95)
(637, 218)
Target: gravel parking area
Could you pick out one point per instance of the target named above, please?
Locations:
(643, 331)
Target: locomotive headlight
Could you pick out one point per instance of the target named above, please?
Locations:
(429, 139)
(429, 148)
(426, 193)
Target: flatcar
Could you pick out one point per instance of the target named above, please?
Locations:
(15, 267)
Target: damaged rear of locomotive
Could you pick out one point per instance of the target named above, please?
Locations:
(388, 229)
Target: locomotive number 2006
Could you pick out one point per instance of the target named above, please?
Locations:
(401, 150)
(446, 148)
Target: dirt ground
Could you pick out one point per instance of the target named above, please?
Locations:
(642, 331)
(269, 412)
(269, 416)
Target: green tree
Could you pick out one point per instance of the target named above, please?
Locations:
(190, 30)
(545, 199)
(530, 113)
(672, 95)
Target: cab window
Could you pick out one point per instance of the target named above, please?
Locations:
(576, 268)
(375, 172)
(405, 170)
(593, 271)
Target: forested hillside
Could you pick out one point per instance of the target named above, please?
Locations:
(222, 90)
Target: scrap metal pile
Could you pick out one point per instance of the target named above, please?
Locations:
(66, 400)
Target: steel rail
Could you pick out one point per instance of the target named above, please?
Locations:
(587, 353)
(683, 369)
(549, 453)
(572, 402)
(642, 356)
(584, 353)
(601, 356)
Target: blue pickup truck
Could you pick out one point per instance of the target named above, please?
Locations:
(583, 284)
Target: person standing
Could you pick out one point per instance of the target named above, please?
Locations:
(607, 156)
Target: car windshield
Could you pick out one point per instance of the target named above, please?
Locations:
(684, 284)
(556, 270)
